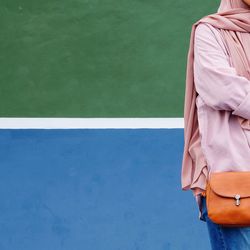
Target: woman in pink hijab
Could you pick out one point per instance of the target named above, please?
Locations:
(217, 109)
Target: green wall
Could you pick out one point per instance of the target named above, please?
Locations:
(90, 58)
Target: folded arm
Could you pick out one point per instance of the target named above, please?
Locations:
(215, 80)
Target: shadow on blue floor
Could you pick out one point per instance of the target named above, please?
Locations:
(107, 189)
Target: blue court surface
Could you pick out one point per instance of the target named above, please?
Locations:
(96, 189)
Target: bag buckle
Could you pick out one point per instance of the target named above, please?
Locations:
(237, 199)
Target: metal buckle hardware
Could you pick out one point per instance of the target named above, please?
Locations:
(237, 199)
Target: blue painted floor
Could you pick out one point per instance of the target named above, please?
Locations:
(107, 189)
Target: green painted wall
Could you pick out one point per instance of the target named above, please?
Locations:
(93, 58)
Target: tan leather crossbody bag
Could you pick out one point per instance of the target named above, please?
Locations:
(228, 198)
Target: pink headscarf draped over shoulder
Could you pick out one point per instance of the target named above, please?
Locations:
(233, 21)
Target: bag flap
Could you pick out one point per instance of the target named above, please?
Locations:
(228, 184)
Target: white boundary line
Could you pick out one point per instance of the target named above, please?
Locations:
(90, 123)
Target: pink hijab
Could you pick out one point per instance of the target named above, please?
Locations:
(233, 20)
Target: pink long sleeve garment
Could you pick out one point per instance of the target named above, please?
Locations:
(222, 96)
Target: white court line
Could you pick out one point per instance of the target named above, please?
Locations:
(90, 123)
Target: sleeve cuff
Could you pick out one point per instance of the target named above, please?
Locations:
(243, 109)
